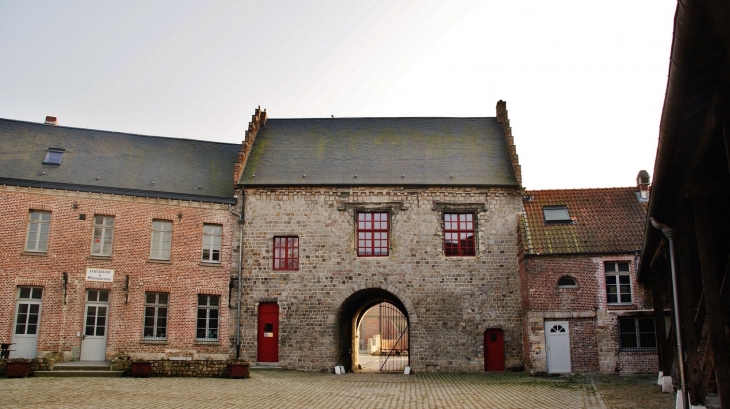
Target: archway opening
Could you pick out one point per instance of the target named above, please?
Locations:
(373, 332)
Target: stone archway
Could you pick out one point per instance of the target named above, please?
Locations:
(348, 317)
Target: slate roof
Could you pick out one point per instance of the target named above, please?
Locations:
(123, 163)
(603, 221)
(380, 151)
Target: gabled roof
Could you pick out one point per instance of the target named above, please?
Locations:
(380, 151)
(603, 221)
(114, 162)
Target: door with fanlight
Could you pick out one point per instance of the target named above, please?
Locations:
(557, 338)
(26, 325)
(93, 340)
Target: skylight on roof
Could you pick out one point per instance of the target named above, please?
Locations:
(556, 214)
(53, 156)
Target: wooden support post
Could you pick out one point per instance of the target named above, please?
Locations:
(686, 310)
(665, 356)
(713, 304)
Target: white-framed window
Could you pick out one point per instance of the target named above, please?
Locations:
(618, 282)
(39, 224)
(212, 235)
(161, 239)
(101, 243)
(155, 315)
(207, 325)
(637, 334)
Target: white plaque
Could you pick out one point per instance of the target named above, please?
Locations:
(99, 274)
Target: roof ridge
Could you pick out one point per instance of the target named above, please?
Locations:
(117, 132)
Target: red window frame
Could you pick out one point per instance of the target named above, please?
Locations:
(372, 234)
(286, 253)
(459, 235)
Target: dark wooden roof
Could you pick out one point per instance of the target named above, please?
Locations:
(603, 221)
(380, 151)
(114, 162)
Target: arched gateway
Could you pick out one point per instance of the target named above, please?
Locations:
(387, 351)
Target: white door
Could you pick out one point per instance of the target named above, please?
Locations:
(557, 338)
(93, 340)
(27, 322)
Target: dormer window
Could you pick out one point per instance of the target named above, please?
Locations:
(556, 214)
(53, 156)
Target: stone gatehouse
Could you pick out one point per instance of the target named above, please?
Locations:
(342, 214)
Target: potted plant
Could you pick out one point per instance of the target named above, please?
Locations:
(141, 369)
(238, 369)
(18, 368)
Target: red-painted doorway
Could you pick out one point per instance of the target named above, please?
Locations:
(493, 350)
(268, 333)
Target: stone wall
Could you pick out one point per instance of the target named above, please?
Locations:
(449, 301)
(69, 249)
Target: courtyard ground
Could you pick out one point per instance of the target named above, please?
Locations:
(281, 389)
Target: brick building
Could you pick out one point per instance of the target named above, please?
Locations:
(583, 309)
(344, 214)
(112, 243)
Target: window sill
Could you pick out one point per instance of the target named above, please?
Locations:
(34, 253)
(621, 306)
(152, 260)
(212, 343)
(153, 341)
(99, 257)
(211, 264)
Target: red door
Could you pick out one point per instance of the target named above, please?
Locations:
(268, 338)
(493, 350)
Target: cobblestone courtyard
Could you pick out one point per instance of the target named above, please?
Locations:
(277, 389)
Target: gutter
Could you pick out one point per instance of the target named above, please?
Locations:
(687, 22)
(240, 267)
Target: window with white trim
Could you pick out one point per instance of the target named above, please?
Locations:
(212, 235)
(207, 326)
(101, 244)
(161, 239)
(637, 334)
(618, 283)
(39, 224)
(155, 316)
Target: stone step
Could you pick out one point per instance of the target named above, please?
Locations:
(266, 366)
(83, 366)
(78, 373)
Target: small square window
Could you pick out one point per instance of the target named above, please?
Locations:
(459, 234)
(556, 214)
(286, 253)
(372, 234)
(637, 334)
(53, 156)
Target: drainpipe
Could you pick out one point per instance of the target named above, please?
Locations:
(240, 266)
(671, 233)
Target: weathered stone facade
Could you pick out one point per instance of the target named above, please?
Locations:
(449, 301)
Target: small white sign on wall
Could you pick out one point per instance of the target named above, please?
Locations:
(100, 274)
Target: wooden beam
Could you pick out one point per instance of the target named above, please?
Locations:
(713, 303)
(665, 356)
(660, 249)
(705, 373)
(686, 312)
(726, 134)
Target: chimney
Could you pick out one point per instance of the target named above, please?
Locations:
(51, 120)
(642, 182)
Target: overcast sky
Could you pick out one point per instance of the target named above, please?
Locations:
(584, 80)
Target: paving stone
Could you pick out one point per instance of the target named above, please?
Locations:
(285, 389)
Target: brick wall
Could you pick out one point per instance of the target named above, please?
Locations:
(593, 323)
(69, 248)
(450, 301)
